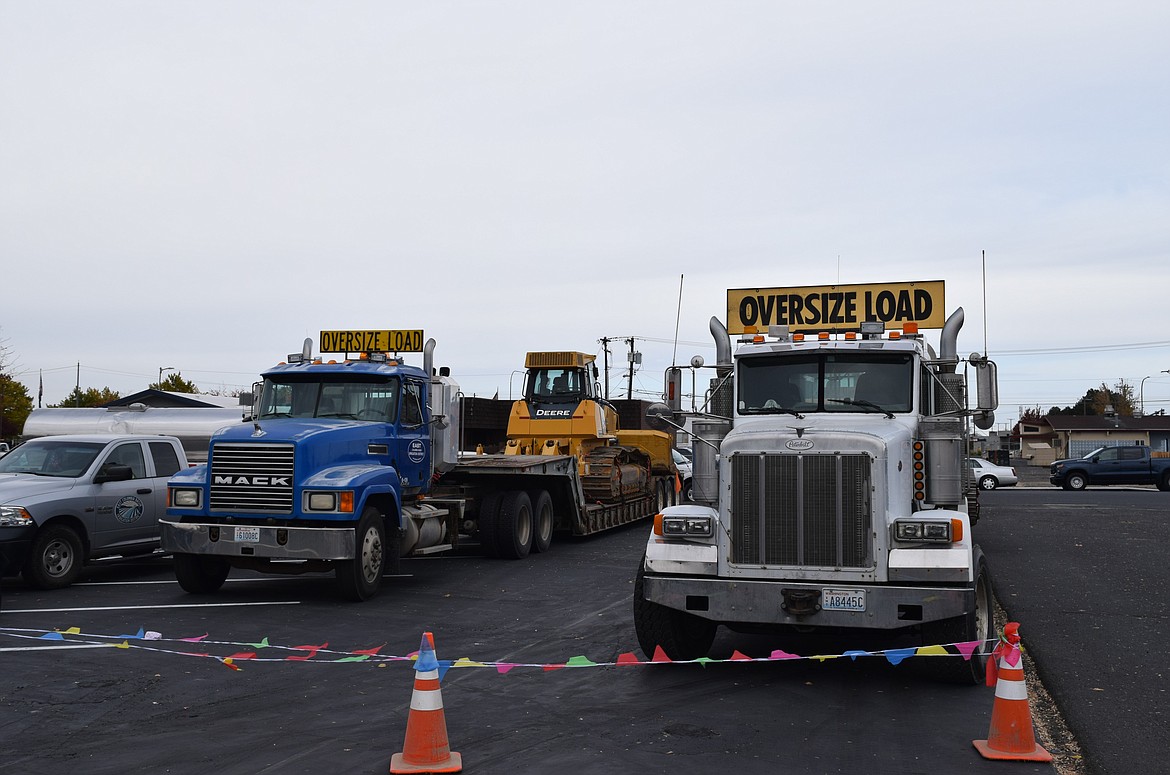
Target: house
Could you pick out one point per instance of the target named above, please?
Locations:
(1069, 436)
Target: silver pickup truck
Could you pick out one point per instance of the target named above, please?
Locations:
(65, 500)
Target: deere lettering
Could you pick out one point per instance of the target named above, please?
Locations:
(836, 307)
(267, 481)
(554, 412)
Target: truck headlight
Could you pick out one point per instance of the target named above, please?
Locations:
(936, 531)
(185, 497)
(334, 501)
(14, 516)
(684, 526)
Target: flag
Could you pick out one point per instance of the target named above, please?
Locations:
(40, 389)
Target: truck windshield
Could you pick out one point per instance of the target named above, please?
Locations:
(51, 458)
(825, 382)
(375, 400)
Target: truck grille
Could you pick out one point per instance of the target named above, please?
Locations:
(252, 477)
(803, 510)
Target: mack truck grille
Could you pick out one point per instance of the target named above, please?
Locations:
(803, 510)
(252, 477)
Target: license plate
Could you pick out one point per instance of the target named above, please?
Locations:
(843, 599)
(247, 535)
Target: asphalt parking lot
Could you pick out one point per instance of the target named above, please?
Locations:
(559, 622)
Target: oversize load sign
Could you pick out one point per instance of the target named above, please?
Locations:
(836, 307)
(371, 341)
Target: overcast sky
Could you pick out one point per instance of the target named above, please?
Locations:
(203, 185)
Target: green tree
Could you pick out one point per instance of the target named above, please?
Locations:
(87, 397)
(15, 405)
(1120, 397)
(175, 383)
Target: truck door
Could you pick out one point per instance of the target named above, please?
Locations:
(413, 460)
(126, 513)
(1109, 467)
(1133, 467)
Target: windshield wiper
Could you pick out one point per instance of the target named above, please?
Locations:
(863, 403)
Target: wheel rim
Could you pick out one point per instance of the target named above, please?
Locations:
(982, 616)
(987, 483)
(371, 555)
(1076, 482)
(524, 528)
(544, 521)
(58, 559)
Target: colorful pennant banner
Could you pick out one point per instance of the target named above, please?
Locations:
(232, 654)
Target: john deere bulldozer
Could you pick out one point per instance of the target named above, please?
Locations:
(563, 413)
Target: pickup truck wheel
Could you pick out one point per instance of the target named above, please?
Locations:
(1075, 481)
(1164, 482)
(681, 635)
(976, 625)
(542, 520)
(199, 575)
(358, 579)
(56, 558)
(988, 482)
(514, 526)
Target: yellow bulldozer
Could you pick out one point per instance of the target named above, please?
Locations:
(563, 413)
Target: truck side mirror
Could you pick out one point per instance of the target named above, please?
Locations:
(112, 472)
(986, 383)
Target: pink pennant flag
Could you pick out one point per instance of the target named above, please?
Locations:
(778, 654)
(503, 667)
(195, 639)
(968, 648)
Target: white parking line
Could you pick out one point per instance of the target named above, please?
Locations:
(142, 607)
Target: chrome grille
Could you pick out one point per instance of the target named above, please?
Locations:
(252, 478)
(802, 510)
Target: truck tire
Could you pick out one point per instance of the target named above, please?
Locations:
(514, 526)
(55, 559)
(1075, 481)
(1164, 482)
(358, 579)
(681, 636)
(976, 625)
(661, 496)
(542, 520)
(489, 517)
(199, 575)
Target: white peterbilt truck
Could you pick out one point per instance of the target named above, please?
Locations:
(829, 491)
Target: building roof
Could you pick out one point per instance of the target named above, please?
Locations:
(1072, 422)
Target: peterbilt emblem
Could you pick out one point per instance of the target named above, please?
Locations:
(799, 444)
(263, 481)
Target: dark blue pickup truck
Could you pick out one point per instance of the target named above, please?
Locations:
(1112, 465)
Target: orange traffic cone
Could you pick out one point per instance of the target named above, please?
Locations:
(1010, 736)
(426, 748)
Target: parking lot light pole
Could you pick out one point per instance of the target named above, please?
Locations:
(161, 369)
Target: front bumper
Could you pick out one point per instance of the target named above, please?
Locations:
(760, 602)
(277, 543)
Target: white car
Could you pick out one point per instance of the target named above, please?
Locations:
(683, 464)
(989, 476)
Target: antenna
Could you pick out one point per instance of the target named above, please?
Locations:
(984, 303)
(678, 315)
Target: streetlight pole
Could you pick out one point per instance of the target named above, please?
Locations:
(161, 369)
(1142, 395)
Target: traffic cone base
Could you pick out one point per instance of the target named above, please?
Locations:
(1038, 754)
(454, 763)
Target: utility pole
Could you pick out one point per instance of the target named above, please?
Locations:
(605, 361)
(635, 357)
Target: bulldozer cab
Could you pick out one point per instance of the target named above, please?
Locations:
(557, 385)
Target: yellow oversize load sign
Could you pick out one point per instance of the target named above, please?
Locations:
(363, 341)
(837, 307)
